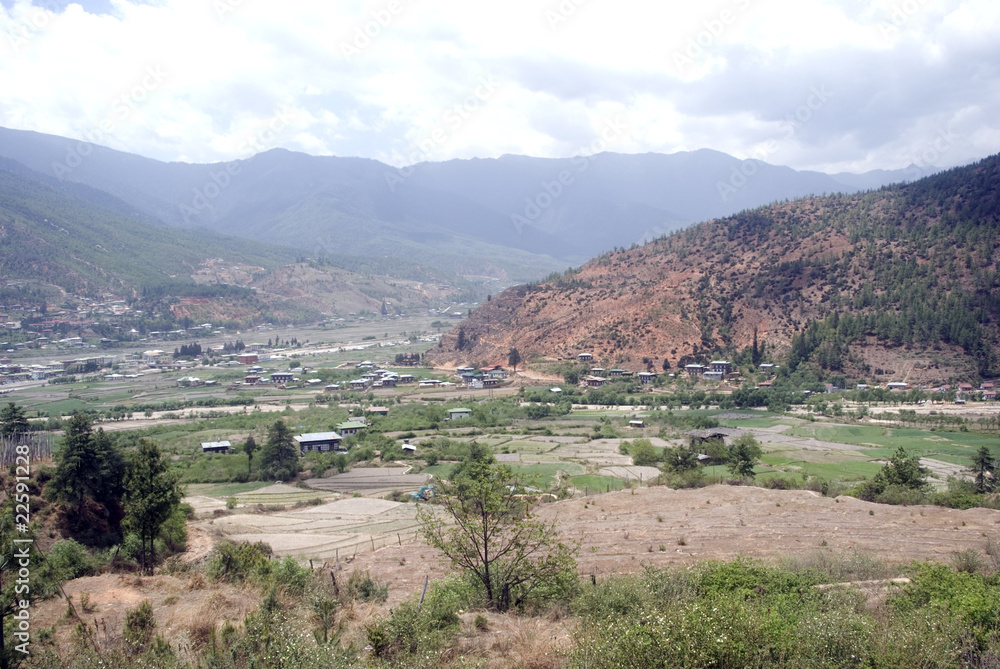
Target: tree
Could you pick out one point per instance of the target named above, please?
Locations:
(679, 459)
(151, 494)
(249, 446)
(279, 458)
(985, 467)
(495, 539)
(743, 454)
(460, 343)
(90, 467)
(643, 453)
(514, 358)
(13, 421)
(904, 470)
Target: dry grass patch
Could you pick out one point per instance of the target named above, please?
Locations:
(509, 641)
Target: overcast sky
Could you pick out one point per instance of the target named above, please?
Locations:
(829, 85)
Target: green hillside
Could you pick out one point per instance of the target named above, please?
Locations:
(49, 233)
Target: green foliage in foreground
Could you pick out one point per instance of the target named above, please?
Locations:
(741, 613)
(746, 614)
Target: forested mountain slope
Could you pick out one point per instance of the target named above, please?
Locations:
(906, 273)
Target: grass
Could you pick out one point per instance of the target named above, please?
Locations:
(595, 483)
(881, 442)
(544, 475)
(440, 471)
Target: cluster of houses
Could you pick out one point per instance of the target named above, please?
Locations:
(486, 377)
(965, 391)
(599, 377)
(324, 442)
(378, 378)
(717, 370)
(11, 372)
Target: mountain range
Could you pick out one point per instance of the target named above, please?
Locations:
(511, 218)
(897, 284)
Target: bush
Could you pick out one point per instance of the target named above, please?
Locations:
(235, 563)
(364, 587)
(407, 630)
(901, 495)
(173, 532)
(69, 559)
(139, 625)
(290, 576)
(692, 478)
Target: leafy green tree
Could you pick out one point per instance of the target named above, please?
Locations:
(743, 455)
(679, 459)
(514, 358)
(643, 453)
(13, 420)
(249, 446)
(904, 470)
(985, 467)
(488, 531)
(152, 493)
(279, 458)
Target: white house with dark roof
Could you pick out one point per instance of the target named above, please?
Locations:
(318, 441)
(215, 446)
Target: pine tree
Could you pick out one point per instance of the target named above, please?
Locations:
(90, 467)
(13, 420)
(151, 495)
(985, 467)
(514, 358)
(249, 446)
(279, 458)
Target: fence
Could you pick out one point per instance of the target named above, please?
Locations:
(39, 447)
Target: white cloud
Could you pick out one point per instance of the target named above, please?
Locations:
(386, 78)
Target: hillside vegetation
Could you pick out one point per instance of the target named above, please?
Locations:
(62, 239)
(87, 243)
(834, 281)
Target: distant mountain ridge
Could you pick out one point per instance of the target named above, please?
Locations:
(510, 218)
(899, 284)
(63, 240)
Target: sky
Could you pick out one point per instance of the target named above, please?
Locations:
(830, 85)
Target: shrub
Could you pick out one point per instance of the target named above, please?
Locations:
(235, 563)
(899, 494)
(139, 625)
(692, 478)
(69, 559)
(408, 630)
(364, 587)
